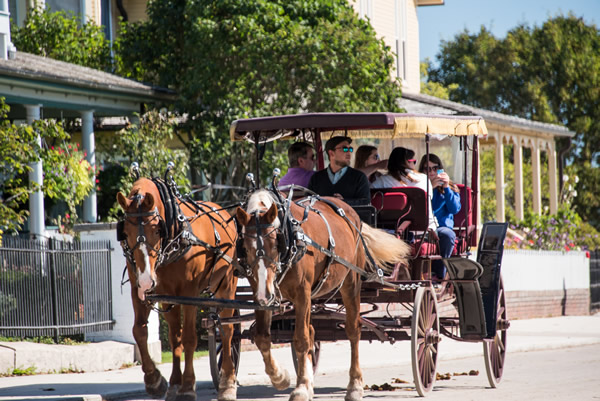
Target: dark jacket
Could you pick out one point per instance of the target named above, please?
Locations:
(353, 186)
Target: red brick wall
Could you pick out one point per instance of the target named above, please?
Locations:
(536, 304)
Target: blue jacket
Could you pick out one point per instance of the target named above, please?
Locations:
(445, 206)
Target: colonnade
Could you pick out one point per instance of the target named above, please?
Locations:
(537, 145)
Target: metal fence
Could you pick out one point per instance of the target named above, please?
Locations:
(54, 288)
(595, 280)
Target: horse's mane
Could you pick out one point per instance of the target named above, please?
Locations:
(261, 201)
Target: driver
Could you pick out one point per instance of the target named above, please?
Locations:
(339, 179)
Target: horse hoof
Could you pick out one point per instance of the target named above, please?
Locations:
(156, 385)
(227, 389)
(227, 394)
(282, 381)
(355, 394)
(187, 396)
(172, 392)
(300, 394)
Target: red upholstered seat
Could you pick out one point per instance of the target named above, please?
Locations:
(463, 218)
(404, 210)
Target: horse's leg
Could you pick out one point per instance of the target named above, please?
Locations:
(155, 383)
(280, 377)
(187, 391)
(303, 338)
(351, 297)
(173, 319)
(227, 380)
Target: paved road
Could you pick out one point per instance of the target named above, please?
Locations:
(557, 374)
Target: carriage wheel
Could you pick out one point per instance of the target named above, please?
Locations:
(494, 350)
(314, 356)
(425, 337)
(215, 347)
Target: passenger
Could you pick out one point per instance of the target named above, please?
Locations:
(401, 173)
(301, 156)
(367, 160)
(339, 179)
(446, 203)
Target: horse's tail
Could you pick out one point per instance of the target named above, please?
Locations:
(386, 249)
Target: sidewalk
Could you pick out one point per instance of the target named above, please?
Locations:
(523, 335)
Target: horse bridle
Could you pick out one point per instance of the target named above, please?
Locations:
(141, 238)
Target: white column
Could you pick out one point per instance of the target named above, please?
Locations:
(37, 225)
(518, 160)
(535, 172)
(89, 145)
(499, 178)
(552, 177)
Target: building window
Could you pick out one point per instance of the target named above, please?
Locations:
(401, 34)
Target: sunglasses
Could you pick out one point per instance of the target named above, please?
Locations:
(432, 168)
(346, 149)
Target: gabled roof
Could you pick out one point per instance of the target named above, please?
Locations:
(31, 79)
(421, 103)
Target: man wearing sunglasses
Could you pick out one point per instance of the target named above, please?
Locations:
(339, 179)
(301, 156)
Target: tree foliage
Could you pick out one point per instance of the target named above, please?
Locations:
(548, 73)
(150, 143)
(61, 36)
(67, 176)
(229, 59)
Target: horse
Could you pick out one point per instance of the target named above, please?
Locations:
(175, 246)
(288, 249)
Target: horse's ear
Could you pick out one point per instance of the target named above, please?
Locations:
(148, 202)
(122, 201)
(271, 214)
(242, 216)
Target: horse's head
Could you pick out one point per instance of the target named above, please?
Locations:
(260, 226)
(141, 232)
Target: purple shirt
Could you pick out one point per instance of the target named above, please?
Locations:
(297, 176)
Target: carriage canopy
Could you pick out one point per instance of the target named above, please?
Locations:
(356, 125)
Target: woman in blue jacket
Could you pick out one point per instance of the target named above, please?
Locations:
(445, 204)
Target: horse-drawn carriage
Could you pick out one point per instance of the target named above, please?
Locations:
(318, 272)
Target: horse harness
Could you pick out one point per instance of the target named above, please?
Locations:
(292, 243)
(175, 230)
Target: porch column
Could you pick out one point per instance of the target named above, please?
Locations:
(89, 145)
(535, 171)
(552, 177)
(499, 178)
(518, 160)
(37, 225)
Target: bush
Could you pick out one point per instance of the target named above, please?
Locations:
(563, 231)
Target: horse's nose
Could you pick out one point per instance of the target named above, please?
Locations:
(266, 301)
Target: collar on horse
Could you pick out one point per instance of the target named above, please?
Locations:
(176, 233)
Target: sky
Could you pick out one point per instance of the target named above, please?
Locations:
(437, 23)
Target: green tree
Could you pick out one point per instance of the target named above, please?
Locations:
(548, 73)
(151, 144)
(232, 59)
(61, 36)
(18, 148)
(433, 88)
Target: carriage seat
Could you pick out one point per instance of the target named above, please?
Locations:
(462, 218)
(404, 211)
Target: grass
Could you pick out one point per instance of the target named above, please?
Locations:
(167, 356)
(32, 370)
(63, 340)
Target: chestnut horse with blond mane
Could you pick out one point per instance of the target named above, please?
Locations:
(175, 246)
(304, 250)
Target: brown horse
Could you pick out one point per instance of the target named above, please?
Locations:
(177, 247)
(265, 224)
